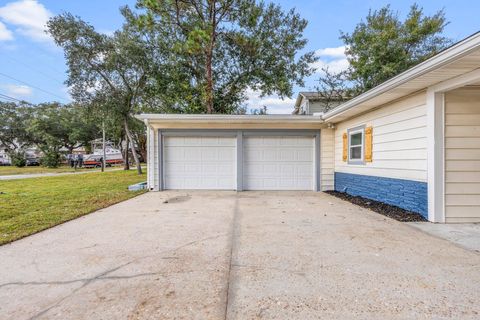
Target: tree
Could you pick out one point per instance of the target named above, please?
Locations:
(332, 88)
(109, 72)
(54, 126)
(14, 121)
(219, 48)
(260, 111)
(384, 46)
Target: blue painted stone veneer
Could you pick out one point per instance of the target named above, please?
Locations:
(406, 194)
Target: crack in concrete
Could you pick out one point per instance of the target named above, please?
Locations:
(85, 283)
(102, 276)
(235, 234)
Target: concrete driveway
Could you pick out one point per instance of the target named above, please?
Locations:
(227, 255)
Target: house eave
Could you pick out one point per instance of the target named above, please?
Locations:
(217, 121)
(448, 64)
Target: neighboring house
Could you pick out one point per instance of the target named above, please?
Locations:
(413, 142)
(4, 157)
(312, 102)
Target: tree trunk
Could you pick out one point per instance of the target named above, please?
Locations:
(209, 87)
(134, 152)
(126, 165)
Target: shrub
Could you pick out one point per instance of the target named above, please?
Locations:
(18, 159)
(50, 159)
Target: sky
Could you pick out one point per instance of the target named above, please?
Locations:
(32, 68)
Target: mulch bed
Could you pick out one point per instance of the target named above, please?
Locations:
(380, 207)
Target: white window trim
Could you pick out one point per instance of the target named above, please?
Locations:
(350, 132)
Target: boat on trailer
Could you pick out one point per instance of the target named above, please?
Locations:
(113, 156)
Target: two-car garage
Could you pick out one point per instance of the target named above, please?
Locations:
(239, 159)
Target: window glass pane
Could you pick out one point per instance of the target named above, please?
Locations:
(356, 153)
(356, 139)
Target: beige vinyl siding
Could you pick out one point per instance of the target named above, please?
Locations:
(315, 106)
(327, 161)
(319, 106)
(399, 140)
(462, 155)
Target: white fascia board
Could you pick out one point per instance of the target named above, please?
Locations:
(445, 57)
(222, 117)
(457, 82)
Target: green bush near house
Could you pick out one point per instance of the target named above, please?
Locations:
(18, 159)
(51, 159)
(28, 206)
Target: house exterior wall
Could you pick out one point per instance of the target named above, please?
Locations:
(462, 155)
(153, 156)
(399, 141)
(319, 106)
(398, 172)
(327, 161)
(315, 106)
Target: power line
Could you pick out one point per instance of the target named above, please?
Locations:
(28, 84)
(5, 97)
(34, 69)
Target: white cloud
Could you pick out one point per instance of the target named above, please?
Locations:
(275, 105)
(28, 16)
(338, 52)
(5, 34)
(332, 58)
(18, 91)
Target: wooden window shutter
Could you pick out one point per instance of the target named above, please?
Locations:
(368, 144)
(345, 147)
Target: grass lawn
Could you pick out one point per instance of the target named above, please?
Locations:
(31, 205)
(12, 170)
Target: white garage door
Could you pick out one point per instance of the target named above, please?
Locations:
(200, 163)
(278, 163)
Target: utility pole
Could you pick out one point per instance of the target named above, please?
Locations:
(104, 158)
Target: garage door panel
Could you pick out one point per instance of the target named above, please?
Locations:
(286, 170)
(255, 154)
(304, 170)
(200, 163)
(286, 154)
(227, 154)
(209, 154)
(175, 154)
(304, 155)
(278, 163)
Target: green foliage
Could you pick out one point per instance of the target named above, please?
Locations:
(215, 50)
(111, 74)
(51, 158)
(14, 123)
(18, 158)
(260, 111)
(55, 126)
(383, 46)
(332, 88)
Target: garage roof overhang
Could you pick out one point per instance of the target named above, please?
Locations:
(217, 121)
(455, 61)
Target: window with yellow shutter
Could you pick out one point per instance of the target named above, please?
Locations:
(368, 144)
(355, 145)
